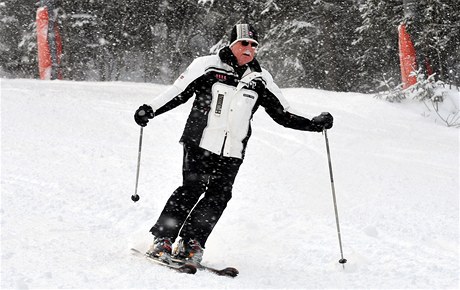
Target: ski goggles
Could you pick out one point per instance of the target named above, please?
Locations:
(246, 43)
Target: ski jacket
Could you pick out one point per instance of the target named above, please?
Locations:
(226, 97)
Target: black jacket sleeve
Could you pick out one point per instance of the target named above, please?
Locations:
(180, 99)
(280, 115)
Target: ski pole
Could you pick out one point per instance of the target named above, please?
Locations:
(135, 197)
(342, 260)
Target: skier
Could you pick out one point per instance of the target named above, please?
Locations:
(229, 87)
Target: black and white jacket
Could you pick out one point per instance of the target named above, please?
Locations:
(226, 97)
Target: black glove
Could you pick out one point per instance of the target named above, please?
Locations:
(323, 121)
(143, 114)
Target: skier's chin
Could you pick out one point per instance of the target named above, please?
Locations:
(244, 59)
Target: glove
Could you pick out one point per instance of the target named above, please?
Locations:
(143, 114)
(323, 121)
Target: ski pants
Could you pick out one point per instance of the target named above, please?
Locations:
(185, 214)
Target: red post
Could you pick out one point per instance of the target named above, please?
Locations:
(407, 58)
(49, 45)
(44, 57)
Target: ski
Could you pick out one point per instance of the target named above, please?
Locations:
(227, 272)
(178, 267)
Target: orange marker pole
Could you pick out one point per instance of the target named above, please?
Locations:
(49, 43)
(44, 57)
(407, 57)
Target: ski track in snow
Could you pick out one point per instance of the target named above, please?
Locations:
(68, 164)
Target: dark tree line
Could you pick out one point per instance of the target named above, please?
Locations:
(346, 45)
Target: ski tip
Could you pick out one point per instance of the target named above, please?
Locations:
(136, 251)
(231, 272)
(188, 269)
(227, 272)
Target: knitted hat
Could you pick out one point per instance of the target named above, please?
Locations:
(243, 32)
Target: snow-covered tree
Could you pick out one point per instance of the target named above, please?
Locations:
(336, 45)
(376, 41)
(17, 39)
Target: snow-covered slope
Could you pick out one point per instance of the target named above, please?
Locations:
(68, 164)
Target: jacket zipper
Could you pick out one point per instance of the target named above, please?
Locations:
(223, 145)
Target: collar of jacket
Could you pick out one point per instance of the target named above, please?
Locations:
(226, 55)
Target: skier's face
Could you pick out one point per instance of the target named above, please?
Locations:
(244, 51)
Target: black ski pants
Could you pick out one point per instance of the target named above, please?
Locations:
(185, 214)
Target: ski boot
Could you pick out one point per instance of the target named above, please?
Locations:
(161, 250)
(190, 252)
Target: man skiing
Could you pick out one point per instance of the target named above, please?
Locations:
(228, 87)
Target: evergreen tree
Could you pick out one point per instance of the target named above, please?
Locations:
(18, 49)
(336, 45)
(440, 36)
(376, 42)
(335, 68)
(81, 39)
(309, 43)
(288, 40)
